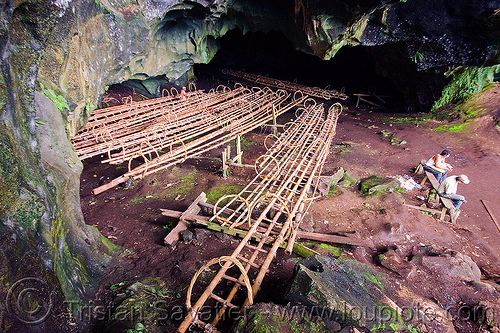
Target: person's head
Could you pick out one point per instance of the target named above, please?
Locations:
(464, 179)
(184, 88)
(445, 153)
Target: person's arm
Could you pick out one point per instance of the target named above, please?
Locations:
(440, 163)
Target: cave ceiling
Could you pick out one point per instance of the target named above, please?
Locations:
(96, 44)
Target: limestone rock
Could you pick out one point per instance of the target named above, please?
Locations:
(268, 317)
(455, 266)
(347, 291)
(392, 261)
(355, 294)
(376, 184)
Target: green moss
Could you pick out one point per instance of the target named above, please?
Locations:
(370, 182)
(452, 128)
(349, 179)
(334, 190)
(216, 192)
(372, 278)
(28, 210)
(65, 263)
(184, 186)
(8, 181)
(335, 251)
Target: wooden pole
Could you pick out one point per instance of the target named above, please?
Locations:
(238, 149)
(224, 165)
(491, 214)
(275, 129)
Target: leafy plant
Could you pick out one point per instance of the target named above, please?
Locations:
(89, 107)
(38, 122)
(117, 285)
(417, 57)
(58, 100)
(464, 82)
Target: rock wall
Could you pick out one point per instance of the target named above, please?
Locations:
(70, 51)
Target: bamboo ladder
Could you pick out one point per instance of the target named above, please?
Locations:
(227, 123)
(272, 205)
(287, 85)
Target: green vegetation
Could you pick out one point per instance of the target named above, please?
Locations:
(464, 82)
(397, 142)
(139, 327)
(334, 190)
(420, 119)
(89, 107)
(372, 278)
(216, 192)
(58, 100)
(186, 183)
(334, 251)
(349, 179)
(452, 128)
(417, 57)
(245, 143)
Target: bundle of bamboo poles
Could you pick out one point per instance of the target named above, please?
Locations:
(169, 130)
(111, 128)
(272, 205)
(287, 85)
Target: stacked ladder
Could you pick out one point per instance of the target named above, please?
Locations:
(271, 207)
(287, 85)
(169, 130)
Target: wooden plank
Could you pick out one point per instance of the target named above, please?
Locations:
(430, 210)
(369, 102)
(239, 232)
(171, 213)
(173, 236)
(446, 202)
(333, 238)
(491, 214)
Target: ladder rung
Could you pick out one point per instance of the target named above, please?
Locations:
(235, 280)
(248, 261)
(224, 302)
(255, 248)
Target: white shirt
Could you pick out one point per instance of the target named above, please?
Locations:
(449, 185)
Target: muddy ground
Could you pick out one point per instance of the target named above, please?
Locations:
(131, 217)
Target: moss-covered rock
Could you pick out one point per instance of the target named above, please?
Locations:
(353, 293)
(378, 184)
(271, 318)
(349, 179)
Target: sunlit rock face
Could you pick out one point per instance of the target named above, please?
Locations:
(72, 50)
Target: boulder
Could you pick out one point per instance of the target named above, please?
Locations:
(354, 293)
(454, 266)
(346, 291)
(393, 262)
(377, 184)
(269, 317)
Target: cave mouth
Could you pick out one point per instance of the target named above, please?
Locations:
(272, 54)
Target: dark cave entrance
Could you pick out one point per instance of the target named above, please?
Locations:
(272, 54)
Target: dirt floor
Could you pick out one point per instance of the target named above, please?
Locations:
(368, 142)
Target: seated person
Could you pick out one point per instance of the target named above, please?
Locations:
(437, 165)
(448, 189)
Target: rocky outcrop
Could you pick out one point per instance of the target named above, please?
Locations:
(268, 317)
(353, 293)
